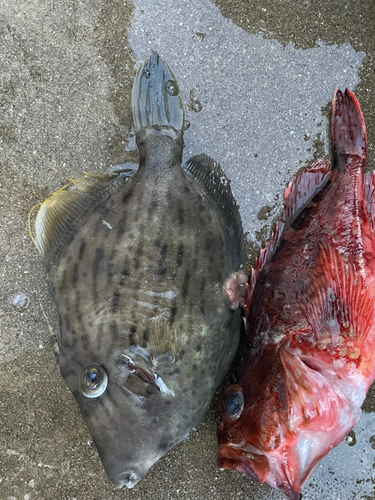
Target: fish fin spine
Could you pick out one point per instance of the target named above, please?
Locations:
(338, 306)
(369, 180)
(301, 189)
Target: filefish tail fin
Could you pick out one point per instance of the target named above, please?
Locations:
(156, 100)
(348, 125)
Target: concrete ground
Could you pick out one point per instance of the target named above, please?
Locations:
(256, 77)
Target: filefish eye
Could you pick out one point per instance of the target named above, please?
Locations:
(147, 73)
(233, 403)
(94, 381)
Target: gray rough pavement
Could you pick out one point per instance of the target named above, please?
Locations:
(264, 73)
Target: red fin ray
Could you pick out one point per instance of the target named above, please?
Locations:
(299, 192)
(338, 305)
(369, 196)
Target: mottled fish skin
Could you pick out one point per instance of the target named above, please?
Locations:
(139, 289)
(310, 320)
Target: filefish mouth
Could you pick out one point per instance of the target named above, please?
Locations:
(156, 100)
(128, 478)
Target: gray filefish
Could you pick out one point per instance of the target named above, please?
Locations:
(137, 261)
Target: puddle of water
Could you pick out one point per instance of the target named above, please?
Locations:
(347, 472)
(260, 100)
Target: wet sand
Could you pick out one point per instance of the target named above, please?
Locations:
(264, 85)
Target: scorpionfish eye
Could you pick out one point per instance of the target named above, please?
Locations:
(94, 381)
(232, 403)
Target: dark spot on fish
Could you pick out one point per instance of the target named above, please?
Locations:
(82, 249)
(198, 348)
(108, 392)
(115, 300)
(114, 331)
(142, 229)
(187, 190)
(127, 196)
(67, 322)
(110, 273)
(146, 335)
(157, 242)
(84, 338)
(193, 393)
(69, 259)
(207, 244)
(180, 214)
(98, 257)
(133, 329)
(172, 316)
(177, 371)
(73, 332)
(152, 207)
(194, 367)
(84, 274)
(180, 254)
(125, 272)
(185, 285)
(77, 306)
(167, 403)
(162, 270)
(121, 226)
(181, 353)
(63, 281)
(75, 275)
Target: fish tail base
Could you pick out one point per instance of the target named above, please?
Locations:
(156, 100)
(348, 125)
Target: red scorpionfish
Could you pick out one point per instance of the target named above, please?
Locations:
(309, 319)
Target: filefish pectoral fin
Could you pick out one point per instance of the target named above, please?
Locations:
(216, 186)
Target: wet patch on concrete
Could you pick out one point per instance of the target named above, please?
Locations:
(335, 23)
(259, 98)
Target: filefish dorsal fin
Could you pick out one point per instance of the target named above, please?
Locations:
(217, 186)
(59, 214)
